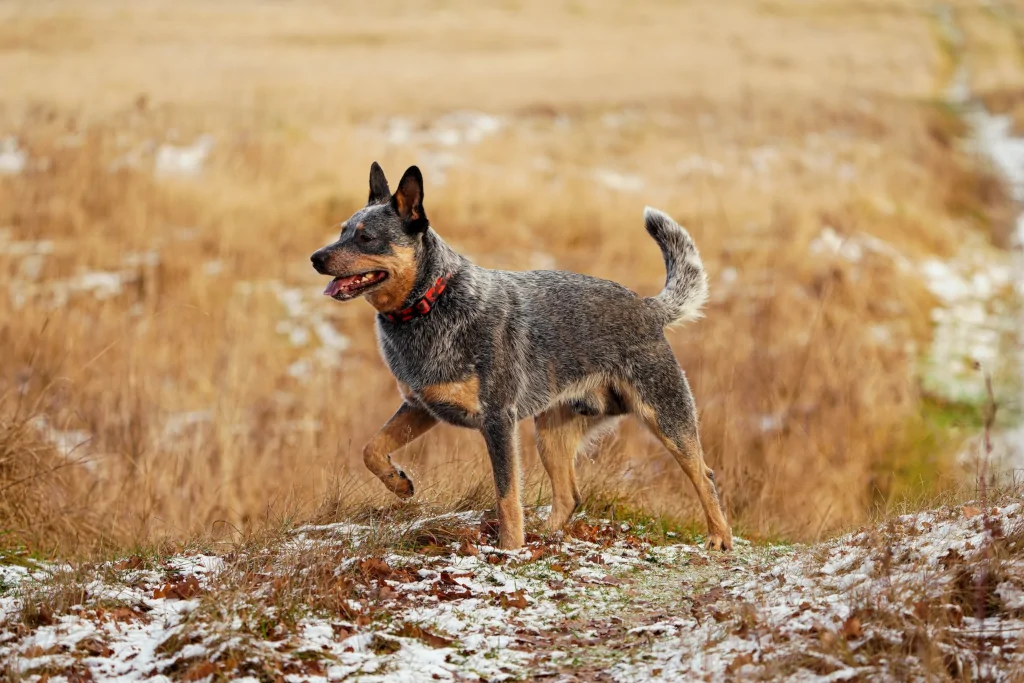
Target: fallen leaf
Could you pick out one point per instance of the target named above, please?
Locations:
(494, 558)
(313, 667)
(852, 629)
(609, 580)
(712, 596)
(94, 647)
(43, 616)
(124, 614)
(199, 671)
(78, 674)
(467, 549)
(134, 562)
(449, 594)
(739, 662)
(179, 590)
(420, 633)
(404, 575)
(950, 559)
(583, 531)
(434, 550)
(489, 527)
(384, 646)
(375, 568)
(971, 512)
(516, 599)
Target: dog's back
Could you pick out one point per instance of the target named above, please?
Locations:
(541, 338)
(558, 333)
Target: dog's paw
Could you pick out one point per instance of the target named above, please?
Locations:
(400, 484)
(719, 542)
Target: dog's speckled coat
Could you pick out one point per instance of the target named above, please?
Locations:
(572, 351)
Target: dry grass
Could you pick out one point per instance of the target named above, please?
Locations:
(818, 116)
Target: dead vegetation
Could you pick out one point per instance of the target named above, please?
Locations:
(173, 318)
(937, 595)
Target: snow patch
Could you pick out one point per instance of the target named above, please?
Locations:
(184, 161)
(13, 159)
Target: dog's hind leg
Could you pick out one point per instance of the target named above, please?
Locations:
(502, 439)
(560, 432)
(408, 423)
(661, 398)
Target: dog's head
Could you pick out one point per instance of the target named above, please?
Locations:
(375, 255)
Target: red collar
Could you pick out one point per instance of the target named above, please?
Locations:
(421, 306)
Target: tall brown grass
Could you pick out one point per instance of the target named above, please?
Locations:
(804, 368)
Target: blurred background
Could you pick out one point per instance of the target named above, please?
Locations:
(170, 368)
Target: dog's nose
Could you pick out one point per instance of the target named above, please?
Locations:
(319, 260)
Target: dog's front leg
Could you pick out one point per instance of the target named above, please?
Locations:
(502, 439)
(405, 426)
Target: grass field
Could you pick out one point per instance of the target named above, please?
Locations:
(170, 369)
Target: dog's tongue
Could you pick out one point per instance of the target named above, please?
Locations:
(334, 286)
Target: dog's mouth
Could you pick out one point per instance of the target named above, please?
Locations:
(351, 286)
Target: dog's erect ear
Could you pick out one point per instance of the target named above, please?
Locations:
(408, 201)
(379, 190)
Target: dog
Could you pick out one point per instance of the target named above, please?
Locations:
(484, 349)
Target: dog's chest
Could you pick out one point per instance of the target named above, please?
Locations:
(435, 373)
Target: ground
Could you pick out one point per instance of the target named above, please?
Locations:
(938, 593)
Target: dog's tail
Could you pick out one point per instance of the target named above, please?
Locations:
(686, 288)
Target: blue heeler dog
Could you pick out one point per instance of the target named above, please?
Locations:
(485, 349)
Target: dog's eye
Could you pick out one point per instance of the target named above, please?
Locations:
(364, 238)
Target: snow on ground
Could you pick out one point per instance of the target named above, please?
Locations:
(434, 600)
(183, 160)
(13, 159)
(879, 604)
(993, 138)
(303, 323)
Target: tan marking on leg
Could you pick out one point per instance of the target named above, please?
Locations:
(465, 394)
(510, 520)
(690, 457)
(510, 510)
(636, 405)
(408, 423)
(559, 433)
